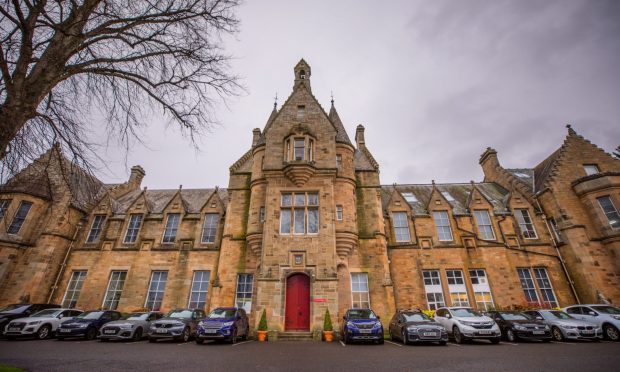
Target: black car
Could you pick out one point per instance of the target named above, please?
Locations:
(178, 324)
(516, 325)
(86, 325)
(15, 311)
(414, 326)
(224, 323)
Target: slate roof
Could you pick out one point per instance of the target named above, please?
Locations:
(157, 200)
(543, 170)
(363, 160)
(495, 194)
(524, 174)
(341, 134)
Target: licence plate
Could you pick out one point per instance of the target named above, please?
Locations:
(430, 334)
(210, 330)
(484, 332)
(538, 332)
(109, 331)
(365, 330)
(65, 330)
(587, 332)
(14, 329)
(161, 330)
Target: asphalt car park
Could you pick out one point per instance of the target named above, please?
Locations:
(52, 355)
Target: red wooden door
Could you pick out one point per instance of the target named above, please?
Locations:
(297, 303)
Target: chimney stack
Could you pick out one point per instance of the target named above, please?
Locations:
(359, 136)
(255, 136)
(135, 179)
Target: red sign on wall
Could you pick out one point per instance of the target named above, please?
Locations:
(319, 300)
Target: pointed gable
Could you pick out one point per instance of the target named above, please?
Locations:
(341, 135)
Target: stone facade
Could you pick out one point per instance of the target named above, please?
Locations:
(305, 202)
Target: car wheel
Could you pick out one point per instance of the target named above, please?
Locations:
(91, 334)
(152, 340)
(137, 335)
(185, 335)
(458, 337)
(246, 333)
(199, 341)
(404, 337)
(233, 336)
(510, 336)
(44, 332)
(557, 334)
(345, 339)
(611, 332)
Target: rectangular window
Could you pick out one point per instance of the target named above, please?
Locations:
(485, 227)
(544, 285)
(591, 169)
(338, 161)
(610, 211)
(96, 228)
(401, 226)
(442, 223)
(310, 150)
(529, 289)
(172, 226)
(339, 212)
(432, 286)
(200, 286)
(156, 290)
(20, 217)
(73, 289)
(301, 113)
(244, 291)
(299, 148)
(135, 221)
(115, 290)
(261, 214)
(482, 290)
(359, 290)
(456, 286)
(409, 197)
(525, 224)
(299, 211)
(4, 205)
(209, 228)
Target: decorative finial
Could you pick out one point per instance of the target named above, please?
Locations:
(433, 182)
(275, 101)
(570, 129)
(180, 187)
(332, 93)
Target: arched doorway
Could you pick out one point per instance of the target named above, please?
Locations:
(297, 303)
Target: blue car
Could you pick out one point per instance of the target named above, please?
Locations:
(361, 325)
(224, 323)
(86, 325)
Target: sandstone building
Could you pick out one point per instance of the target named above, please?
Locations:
(305, 225)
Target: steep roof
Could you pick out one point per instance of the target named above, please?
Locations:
(157, 200)
(526, 175)
(364, 161)
(341, 134)
(543, 170)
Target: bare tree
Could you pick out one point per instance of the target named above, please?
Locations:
(63, 61)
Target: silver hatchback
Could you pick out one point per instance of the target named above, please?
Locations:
(134, 327)
(565, 327)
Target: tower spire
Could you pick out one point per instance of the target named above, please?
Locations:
(275, 101)
(332, 93)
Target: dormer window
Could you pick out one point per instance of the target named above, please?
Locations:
(299, 149)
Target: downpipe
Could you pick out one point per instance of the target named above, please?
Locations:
(78, 227)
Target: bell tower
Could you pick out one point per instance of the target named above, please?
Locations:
(302, 74)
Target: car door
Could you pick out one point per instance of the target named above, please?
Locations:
(575, 312)
(589, 315)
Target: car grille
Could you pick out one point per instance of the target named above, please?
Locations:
(535, 327)
(72, 326)
(482, 325)
(583, 328)
(20, 326)
(364, 326)
(213, 324)
(429, 334)
(165, 325)
(107, 330)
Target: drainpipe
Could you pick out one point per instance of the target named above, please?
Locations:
(557, 249)
(64, 261)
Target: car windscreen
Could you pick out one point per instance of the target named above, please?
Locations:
(606, 309)
(465, 313)
(361, 314)
(555, 315)
(515, 316)
(179, 314)
(416, 317)
(90, 315)
(46, 313)
(14, 309)
(137, 316)
(221, 313)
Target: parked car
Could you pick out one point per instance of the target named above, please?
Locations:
(133, 327)
(415, 326)
(361, 325)
(178, 324)
(16, 311)
(86, 325)
(224, 323)
(564, 326)
(516, 325)
(40, 325)
(464, 323)
(606, 316)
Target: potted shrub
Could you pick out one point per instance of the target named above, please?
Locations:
(262, 327)
(328, 329)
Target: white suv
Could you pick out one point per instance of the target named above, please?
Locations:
(464, 323)
(605, 316)
(40, 325)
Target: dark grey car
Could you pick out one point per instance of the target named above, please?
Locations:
(178, 324)
(414, 326)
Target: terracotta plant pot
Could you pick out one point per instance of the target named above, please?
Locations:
(328, 335)
(262, 336)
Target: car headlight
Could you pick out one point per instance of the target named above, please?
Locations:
(519, 327)
(126, 326)
(465, 322)
(376, 325)
(35, 322)
(617, 317)
(153, 326)
(412, 329)
(351, 325)
(201, 323)
(547, 327)
(82, 325)
(227, 324)
(565, 326)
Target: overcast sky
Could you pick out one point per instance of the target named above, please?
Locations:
(434, 83)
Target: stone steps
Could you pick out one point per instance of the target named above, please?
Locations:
(295, 336)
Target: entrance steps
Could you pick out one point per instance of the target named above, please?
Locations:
(295, 336)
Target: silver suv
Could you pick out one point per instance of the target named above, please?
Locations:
(605, 316)
(465, 323)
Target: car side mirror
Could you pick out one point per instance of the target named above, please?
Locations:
(378, 317)
(592, 313)
(344, 318)
(539, 318)
(448, 316)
